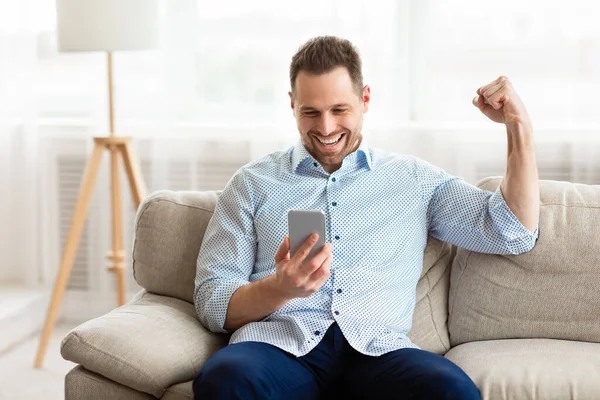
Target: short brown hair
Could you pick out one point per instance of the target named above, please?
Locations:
(323, 54)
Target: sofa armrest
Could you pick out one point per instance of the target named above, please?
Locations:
(148, 344)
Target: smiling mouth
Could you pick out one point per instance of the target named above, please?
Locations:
(329, 143)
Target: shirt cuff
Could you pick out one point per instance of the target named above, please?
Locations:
(216, 307)
(505, 216)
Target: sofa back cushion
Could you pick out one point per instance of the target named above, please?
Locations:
(168, 233)
(552, 291)
(430, 319)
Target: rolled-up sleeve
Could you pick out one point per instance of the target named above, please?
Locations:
(227, 254)
(469, 217)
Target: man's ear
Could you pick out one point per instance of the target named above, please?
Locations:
(366, 97)
(292, 102)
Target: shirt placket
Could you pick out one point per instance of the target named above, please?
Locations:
(335, 234)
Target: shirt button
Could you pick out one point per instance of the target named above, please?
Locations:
(337, 313)
(333, 179)
(334, 204)
(339, 290)
(315, 164)
(317, 333)
(337, 237)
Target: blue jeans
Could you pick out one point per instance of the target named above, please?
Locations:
(332, 370)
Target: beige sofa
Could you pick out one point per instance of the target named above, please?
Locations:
(523, 327)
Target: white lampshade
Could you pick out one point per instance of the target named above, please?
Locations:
(107, 25)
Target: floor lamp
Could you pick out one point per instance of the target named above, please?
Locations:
(107, 26)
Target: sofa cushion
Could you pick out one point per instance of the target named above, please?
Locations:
(553, 291)
(534, 369)
(169, 228)
(149, 344)
(83, 384)
(429, 328)
(181, 391)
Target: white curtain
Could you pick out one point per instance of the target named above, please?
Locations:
(223, 66)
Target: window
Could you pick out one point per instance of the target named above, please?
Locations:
(227, 62)
(550, 50)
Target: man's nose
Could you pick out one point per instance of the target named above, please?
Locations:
(327, 125)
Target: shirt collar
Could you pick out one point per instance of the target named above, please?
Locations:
(300, 154)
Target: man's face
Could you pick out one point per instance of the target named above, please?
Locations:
(327, 108)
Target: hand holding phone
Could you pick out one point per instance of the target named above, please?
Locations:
(303, 260)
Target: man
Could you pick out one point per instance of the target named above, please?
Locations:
(336, 325)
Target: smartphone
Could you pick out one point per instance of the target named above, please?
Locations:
(302, 224)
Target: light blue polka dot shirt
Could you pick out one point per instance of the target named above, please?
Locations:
(379, 208)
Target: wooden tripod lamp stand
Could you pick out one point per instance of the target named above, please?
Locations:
(101, 25)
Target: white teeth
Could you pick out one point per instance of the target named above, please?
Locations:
(330, 141)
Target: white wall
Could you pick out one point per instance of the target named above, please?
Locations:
(19, 215)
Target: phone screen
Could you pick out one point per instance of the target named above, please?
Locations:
(303, 223)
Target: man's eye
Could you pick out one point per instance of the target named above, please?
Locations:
(310, 114)
(339, 110)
